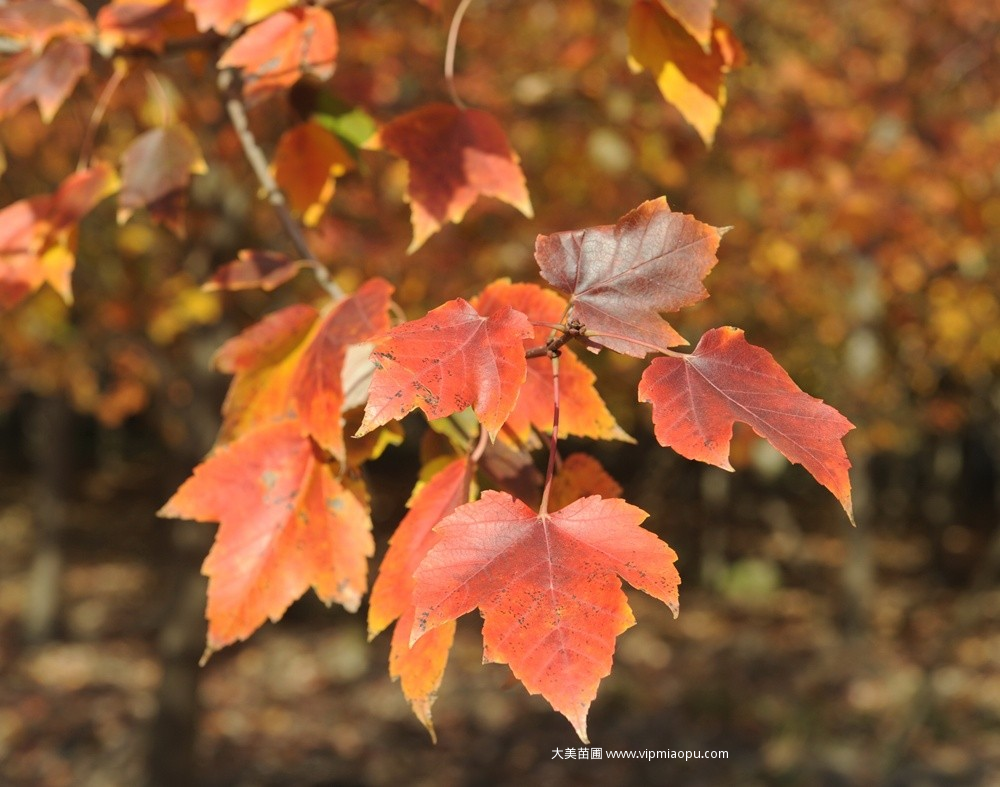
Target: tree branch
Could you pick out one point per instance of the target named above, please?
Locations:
(449, 55)
(258, 162)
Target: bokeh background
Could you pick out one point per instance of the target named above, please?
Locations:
(858, 162)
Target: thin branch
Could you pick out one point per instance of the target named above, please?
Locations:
(204, 42)
(323, 277)
(555, 326)
(258, 162)
(397, 312)
(335, 4)
(87, 147)
(550, 472)
(156, 86)
(553, 345)
(460, 429)
(449, 55)
(484, 440)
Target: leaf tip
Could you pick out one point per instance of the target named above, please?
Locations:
(419, 629)
(418, 240)
(525, 207)
(579, 722)
(367, 424)
(622, 436)
(849, 509)
(169, 511)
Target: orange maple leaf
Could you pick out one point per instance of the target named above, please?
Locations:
(285, 523)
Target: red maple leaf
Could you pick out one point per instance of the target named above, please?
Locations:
(47, 78)
(291, 364)
(583, 411)
(450, 359)
(419, 667)
(455, 155)
(285, 523)
(317, 385)
(697, 398)
(276, 53)
(266, 341)
(547, 587)
(620, 277)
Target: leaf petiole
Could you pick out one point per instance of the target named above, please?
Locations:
(550, 471)
(585, 334)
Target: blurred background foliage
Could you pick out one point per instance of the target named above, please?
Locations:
(858, 162)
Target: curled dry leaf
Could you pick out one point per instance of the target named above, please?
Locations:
(145, 24)
(255, 269)
(156, 169)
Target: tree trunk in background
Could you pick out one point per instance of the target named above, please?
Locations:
(858, 573)
(50, 445)
(715, 486)
(864, 361)
(174, 732)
